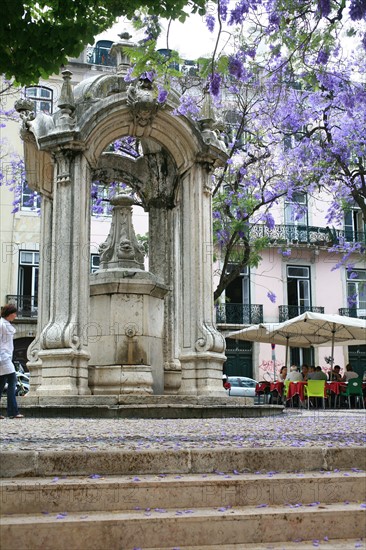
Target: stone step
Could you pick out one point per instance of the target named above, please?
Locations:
(41, 463)
(178, 528)
(119, 493)
(330, 544)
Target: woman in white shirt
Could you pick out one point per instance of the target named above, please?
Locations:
(7, 369)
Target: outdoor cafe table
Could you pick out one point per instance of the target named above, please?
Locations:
(296, 388)
(277, 386)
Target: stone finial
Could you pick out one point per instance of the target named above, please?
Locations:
(66, 103)
(207, 115)
(121, 51)
(208, 126)
(121, 249)
(66, 100)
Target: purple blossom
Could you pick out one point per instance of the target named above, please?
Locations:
(269, 220)
(274, 19)
(271, 296)
(188, 106)
(162, 95)
(323, 57)
(148, 75)
(223, 8)
(357, 10)
(215, 82)
(324, 7)
(238, 13)
(210, 22)
(236, 67)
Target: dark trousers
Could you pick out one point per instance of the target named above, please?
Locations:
(11, 379)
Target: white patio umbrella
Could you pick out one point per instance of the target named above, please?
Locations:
(320, 328)
(269, 333)
(308, 329)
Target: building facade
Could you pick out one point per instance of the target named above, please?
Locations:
(297, 267)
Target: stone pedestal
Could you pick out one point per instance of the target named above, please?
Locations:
(64, 372)
(121, 379)
(126, 333)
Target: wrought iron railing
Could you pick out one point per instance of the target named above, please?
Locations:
(100, 56)
(239, 314)
(305, 234)
(289, 312)
(27, 306)
(353, 312)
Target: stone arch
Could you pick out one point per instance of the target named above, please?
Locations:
(112, 120)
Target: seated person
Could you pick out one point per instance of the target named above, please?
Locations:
(294, 374)
(304, 372)
(319, 374)
(283, 374)
(311, 372)
(335, 375)
(349, 373)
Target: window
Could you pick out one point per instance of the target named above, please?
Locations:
(298, 288)
(94, 262)
(354, 227)
(356, 291)
(238, 291)
(30, 199)
(296, 210)
(42, 98)
(28, 280)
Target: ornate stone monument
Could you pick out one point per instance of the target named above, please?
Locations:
(156, 328)
(126, 313)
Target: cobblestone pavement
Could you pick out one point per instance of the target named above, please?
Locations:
(292, 429)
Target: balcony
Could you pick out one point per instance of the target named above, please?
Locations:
(285, 235)
(352, 312)
(100, 56)
(239, 314)
(289, 312)
(27, 305)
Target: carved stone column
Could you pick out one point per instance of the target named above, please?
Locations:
(202, 346)
(63, 338)
(162, 251)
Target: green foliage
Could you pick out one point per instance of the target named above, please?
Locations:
(143, 241)
(37, 37)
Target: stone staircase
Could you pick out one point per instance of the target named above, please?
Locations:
(217, 510)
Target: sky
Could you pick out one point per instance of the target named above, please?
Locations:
(191, 39)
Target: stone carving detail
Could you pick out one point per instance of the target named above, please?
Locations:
(121, 249)
(24, 107)
(106, 248)
(63, 159)
(33, 350)
(211, 340)
(142, 102)
(210, 130)
(131, 330)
